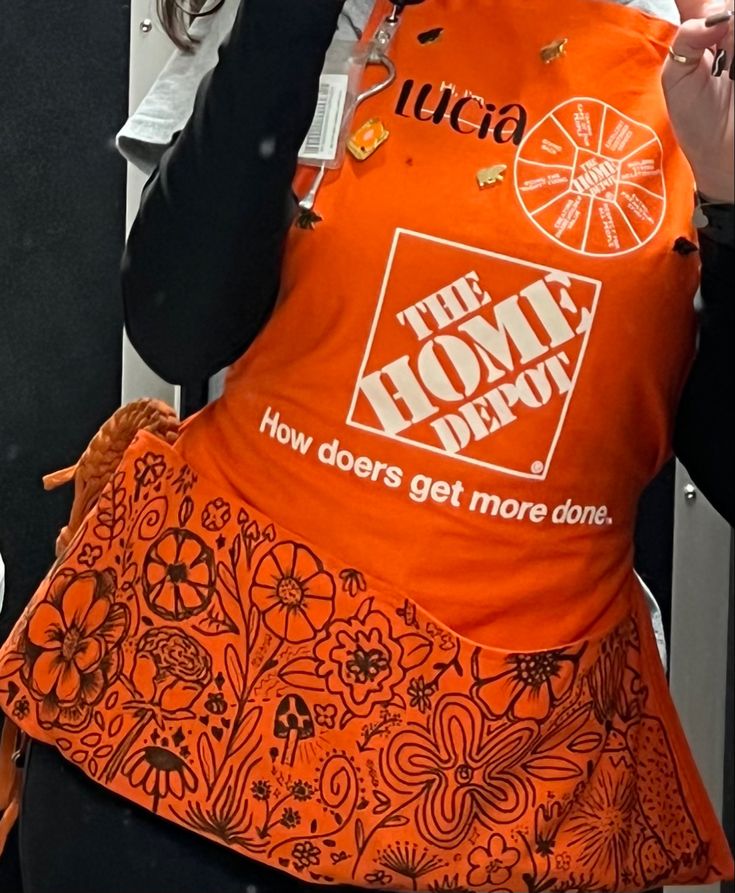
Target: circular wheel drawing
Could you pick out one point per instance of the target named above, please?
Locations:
(591, 179)
(178, 575)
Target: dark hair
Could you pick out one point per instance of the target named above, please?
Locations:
(176, 19)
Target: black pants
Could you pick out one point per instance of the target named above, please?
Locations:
(76, 837)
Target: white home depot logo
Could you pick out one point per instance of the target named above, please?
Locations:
(473, 355)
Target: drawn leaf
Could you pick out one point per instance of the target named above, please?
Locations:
(235, 551)
(226, 578)
(112, 700)
(235, 673)
(12, 663)
(383, 803)
(586, 743)
(186, 510)
(569, 726)
(217, 620)
(416, 650)
(245, 732)
(552, 768)
(359, 835)
(395, 821)
(301, 673)
(364, 609)
(253, 627)
(206, 758)
(111, 510)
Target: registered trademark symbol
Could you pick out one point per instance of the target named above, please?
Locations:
(537, 467)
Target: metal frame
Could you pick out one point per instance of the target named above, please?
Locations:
(149, 50)
(699, 633)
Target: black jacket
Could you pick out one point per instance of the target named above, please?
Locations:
(204, 252)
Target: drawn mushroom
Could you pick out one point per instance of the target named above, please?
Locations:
(294, 724)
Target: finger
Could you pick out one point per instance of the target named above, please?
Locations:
(699, 9)
(691, 45)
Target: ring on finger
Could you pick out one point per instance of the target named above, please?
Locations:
(682, 60)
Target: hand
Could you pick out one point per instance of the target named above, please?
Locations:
(701, 105)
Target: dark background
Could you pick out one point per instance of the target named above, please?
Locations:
(63, 96)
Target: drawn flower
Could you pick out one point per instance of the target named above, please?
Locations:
(532, 685)
(73, 647)
(178, 575)
(547, 821)
(380, 876)
(361, 661)
(293, 591)
(184, 480)
(21, 708)
(160, 773)
(325, 715)
(149, 469)
(409, 861)
(464, 775)
(353, 582)
(302, 791)
(290, 818)
(420, 693)
(305, 854)
(90, 555)
(492, 864)
(171, 669)
(601, 823)
(261, 790)
(215, 515)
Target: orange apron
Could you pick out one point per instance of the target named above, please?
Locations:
(372, 619)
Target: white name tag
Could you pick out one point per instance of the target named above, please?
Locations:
(323, 139)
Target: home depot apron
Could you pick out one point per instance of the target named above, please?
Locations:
(373, 618)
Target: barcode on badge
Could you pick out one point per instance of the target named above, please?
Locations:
(322, 140)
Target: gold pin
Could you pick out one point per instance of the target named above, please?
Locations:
(489, 176)
(367, 139)
(554, 50)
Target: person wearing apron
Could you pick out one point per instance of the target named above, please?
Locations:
(371, 619)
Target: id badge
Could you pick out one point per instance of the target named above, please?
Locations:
(339, 87)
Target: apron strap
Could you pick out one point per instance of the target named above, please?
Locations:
(11, 746)
(98, 462)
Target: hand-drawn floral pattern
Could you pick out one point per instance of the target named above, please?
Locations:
(170, 669)
(178, 575)
(360, 661)
(293, 592)
(531, 686)
(74, 640)
(465, 777)
(492, 864)
(215, 515)
(160, 773)
(336, 731)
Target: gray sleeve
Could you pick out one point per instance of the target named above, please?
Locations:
(168, 105)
